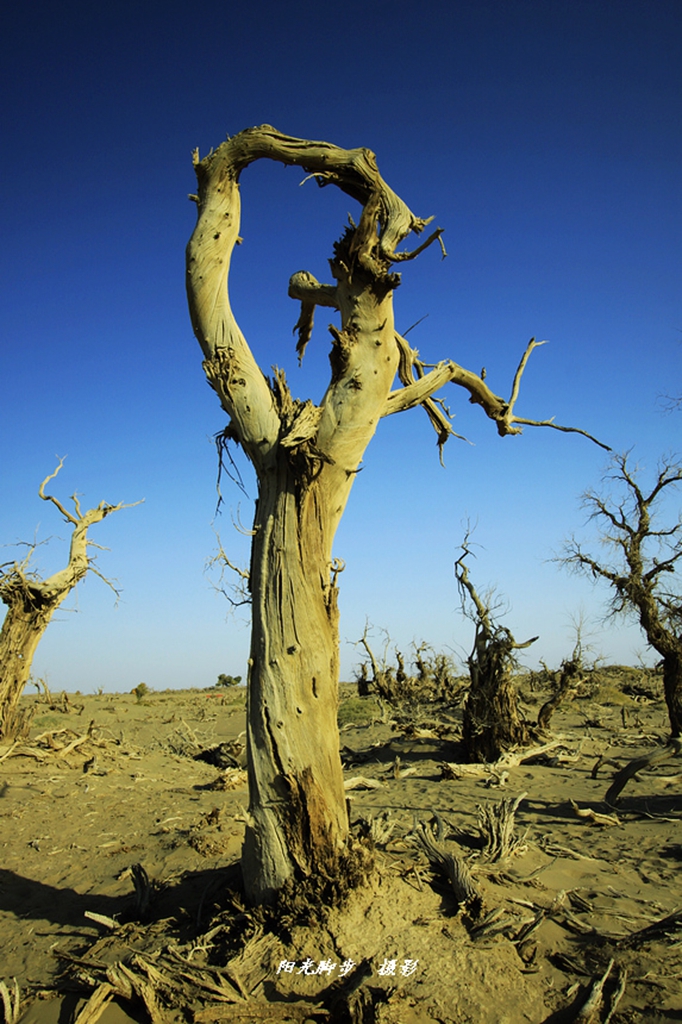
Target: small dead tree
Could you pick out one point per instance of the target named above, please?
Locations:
(385, 681)
(643, 571)
(32, 601)
(566, 682)
(435, 679)
(306, 458)
(491, 722)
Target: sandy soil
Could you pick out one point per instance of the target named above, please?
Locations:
(108, 782)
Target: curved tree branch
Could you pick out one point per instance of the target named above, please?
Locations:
(48, 497)
(419, 390)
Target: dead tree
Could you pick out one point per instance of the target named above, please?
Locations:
(643, 572)
(566, 681)
(306, 457)
(386, 682)
(491, 721)
(32, 601)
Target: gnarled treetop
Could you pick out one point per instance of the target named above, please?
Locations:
(354, 171)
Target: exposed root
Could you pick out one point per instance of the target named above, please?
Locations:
(310, 900)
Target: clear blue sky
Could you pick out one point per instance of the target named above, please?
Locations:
(544, 135)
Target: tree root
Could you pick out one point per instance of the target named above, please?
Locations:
(11, 1002)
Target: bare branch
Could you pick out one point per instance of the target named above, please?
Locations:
(376, 671)
(419, 391)
(519, 373)
(240, 592)
(465, 584)
(401, 256)
(48, 497)
(556, 426)
(105, 579)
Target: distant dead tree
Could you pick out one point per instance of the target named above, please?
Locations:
(306, 458)
(435, 678)
(492, 723)
(567, 679)
(32, 601)
(642, 572)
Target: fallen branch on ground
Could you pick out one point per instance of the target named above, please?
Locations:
(594, 816)
(450, 865)
(673, 749)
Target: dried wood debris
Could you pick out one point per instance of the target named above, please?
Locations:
(511, 759)
(592, 1010)
(496, 824)
(658, 756)
(595, 817)
(11, 1001)
(61, 744)
(362, 782)
(494, 834)
(449, 864)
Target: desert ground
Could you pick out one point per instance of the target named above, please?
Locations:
(121, 820)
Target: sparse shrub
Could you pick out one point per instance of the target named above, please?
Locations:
(140, 691)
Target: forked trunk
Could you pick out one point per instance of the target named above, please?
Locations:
(306, 457)
(298, 821)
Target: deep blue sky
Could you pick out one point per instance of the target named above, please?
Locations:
(545, 136)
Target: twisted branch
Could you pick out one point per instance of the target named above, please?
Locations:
(419, 387)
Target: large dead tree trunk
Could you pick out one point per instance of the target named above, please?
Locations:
(297, 805)
(31, 603)
(306, 458)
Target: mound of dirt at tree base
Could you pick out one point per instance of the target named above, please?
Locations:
(407, 963)
(109, 782)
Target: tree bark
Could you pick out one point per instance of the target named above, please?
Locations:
(297, 821)
(491, 722)
(22, 630)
